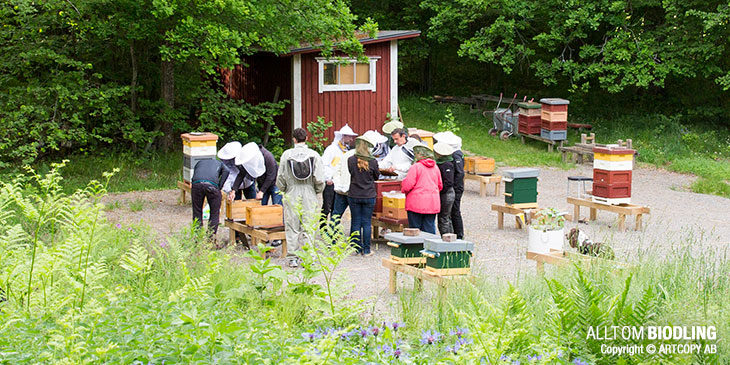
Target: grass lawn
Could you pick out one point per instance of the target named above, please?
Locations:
(661, 141)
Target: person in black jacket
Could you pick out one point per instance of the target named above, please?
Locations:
(454, 141)
(207, 182)
(445, 162)
(255, 161)
(364, 171)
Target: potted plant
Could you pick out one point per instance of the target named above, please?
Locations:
(546, 231)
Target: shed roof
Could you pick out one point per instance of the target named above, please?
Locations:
(383, 36)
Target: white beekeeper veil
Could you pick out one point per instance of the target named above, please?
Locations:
(344, 131)
(449, 138)
(252, 160)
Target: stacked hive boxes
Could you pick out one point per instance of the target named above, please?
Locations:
(530, 118)
(407, 248)
(554, 119)
(520, 186)
(236, 210)
(265, 215)
(612, 169)
(394, 205)
(478, 165)
(453, 256)
(425, 136)
(382, 186)
(197, 147)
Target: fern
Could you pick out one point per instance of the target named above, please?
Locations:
(136, 260)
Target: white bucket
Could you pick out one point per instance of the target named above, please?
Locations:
(543, 242)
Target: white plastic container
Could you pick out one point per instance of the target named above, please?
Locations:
(543, 242)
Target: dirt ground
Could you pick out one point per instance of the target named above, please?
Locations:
(676, 214)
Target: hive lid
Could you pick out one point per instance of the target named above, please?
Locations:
(529, 105)
(609, 150)
(400, 238)
(394, 194)
(199, 136)
(521, 173)
(554, 101)
(420, 132)
(439, 245)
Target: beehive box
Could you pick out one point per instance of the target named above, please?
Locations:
(554, 116)
(554, 104)
(403, 246)
(447, 255)
(529, 108)
(521, 173)
(613, 154)
(197, 147)
(236, 210)
(265, 215)
(469, 164)
(520, 186)
(426, 136)
(394, 200)
(524, 128)
(395, 213)
(382, 186)
(554, 135)
(484, 166)
(611, 177)
(613, 165)
(553, 126)
(603, 190)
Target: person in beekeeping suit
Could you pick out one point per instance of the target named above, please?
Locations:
(227, 155)
(331, 159)
(454, 141)
(300, 179)
(401, 157)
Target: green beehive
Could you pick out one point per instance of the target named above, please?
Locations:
(447, 255)
(402, 246)
(520, 186)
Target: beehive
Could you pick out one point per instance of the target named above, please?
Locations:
(425, 136)
(554, 114)
(447, 255)
(612, 174)
(520, 186)
(264, 215)
(382, 186)
(484, 166)
(403, 246)
(236, 210)
(197, 147)
(529, 124)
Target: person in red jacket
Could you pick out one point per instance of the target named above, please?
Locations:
(422, 186)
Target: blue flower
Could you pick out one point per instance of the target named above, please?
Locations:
(309, 336)
(363, 332)
(375, 331)
(578, 361)
(516, 362)
(534, 357)
(454, 349)
(459, 332)
(463, 341)
(430, 338)
(395, 326)
(346, 335)
(504, 358)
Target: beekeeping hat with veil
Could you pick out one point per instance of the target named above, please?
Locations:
(449, 138)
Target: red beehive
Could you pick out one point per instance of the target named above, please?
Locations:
(554, 104)
(554, 126)
(611, 177)
(612, 190)
(529, 124)
(382, 186)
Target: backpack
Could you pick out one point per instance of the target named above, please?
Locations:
(301, 165)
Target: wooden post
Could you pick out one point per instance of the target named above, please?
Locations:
(496, 188)
(182, 196)
(550, 147)
(392, 282)
(518, 224)
(621, 222)
(594, 212)
(540, 268)
(638, 222)
(482, 188)
(500, 220)
(576, 212)
(417, 283)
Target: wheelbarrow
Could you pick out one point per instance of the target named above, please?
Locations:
(505, 120)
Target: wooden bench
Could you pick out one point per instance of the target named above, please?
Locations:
(378, 225)
(184, 188)
(577, 154)
(483, 181)
(549, 142)
(258, 234)
(562, 258)
(419, 274)
(503, 209)
(623, 210)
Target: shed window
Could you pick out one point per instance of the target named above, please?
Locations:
(346, 75)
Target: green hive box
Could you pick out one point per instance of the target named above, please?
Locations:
(447, 255)
(407, 246)
(520, 190)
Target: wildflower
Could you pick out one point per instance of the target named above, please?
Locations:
(118, 225)
(309, 336)
(459, 332)
(375, 331)
(129, 229)
(358, 352)
(560, 354)
(430, 338)
(516, 362)
(578, 361)
(504, 358)
(534, 357)
(363, 332)
(163, 244)
(454, 349)
(463, 341)
(395, 326)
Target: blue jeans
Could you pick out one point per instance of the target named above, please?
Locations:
(424, 222)
(362, 213)
(340, 206)
(273, 192)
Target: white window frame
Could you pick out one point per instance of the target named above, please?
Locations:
(321, 61)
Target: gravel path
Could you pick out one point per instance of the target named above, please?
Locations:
(676, 214)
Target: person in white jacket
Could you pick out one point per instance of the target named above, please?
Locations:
(400, 158)
(330, 160)
(341, 176)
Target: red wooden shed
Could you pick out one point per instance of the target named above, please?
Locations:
(360, 94)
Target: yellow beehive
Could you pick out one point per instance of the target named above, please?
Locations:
(483, 166)
(392, 202)
(236, 210)
(264, 215)
(607, 157)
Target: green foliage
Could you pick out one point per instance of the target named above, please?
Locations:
(137, 205)
(549, 219)
(317, 138)
(448, 123)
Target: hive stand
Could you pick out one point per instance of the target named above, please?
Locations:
(549, 142)
(379, 224)
(623, 210)
(580, 150)
(483, 181)
(441, 279)
(562, 258)
(503, 209)
(260, 234)
(184, 188)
